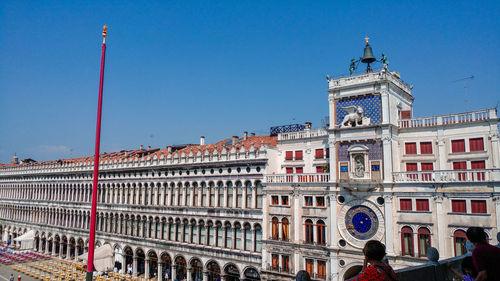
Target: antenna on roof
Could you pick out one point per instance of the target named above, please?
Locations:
(465, 81)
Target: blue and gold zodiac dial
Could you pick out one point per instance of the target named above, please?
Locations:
(361, 222)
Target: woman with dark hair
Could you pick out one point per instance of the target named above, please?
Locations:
(373, 267)
(469, 272)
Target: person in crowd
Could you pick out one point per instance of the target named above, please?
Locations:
(468, 269)
(11, 277)
(373, 268)
(486, 257)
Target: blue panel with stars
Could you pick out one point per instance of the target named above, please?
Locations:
(371, 104)
(361, 222)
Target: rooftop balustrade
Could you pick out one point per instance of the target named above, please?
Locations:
(298, 178)
(369, 78)
(302, 134)
(458, 118)
(443, 176)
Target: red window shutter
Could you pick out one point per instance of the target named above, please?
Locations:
(458, 206)
(411, 148)
(289, 170)
(289, 155)
(478, 206)
(405, 204)
(457, 146)
(298, 155)
(422, 205)
(411, 167)
(319, 169)
(459, 165)
(476, 144)
(405, 114)
(427, 167)
(319, 153)
(426, 148)
(477, 165)
(299, 170)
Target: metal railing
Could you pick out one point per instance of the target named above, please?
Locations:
(298, 178)
(484, 175)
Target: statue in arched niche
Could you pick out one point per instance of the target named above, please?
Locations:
(359, 168)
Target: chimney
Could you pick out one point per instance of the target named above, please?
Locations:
(141, 147)
(235, 140)
(308, 125)
(202, 140)
(169, 149)
(15, 160)
(245, 135)
(149, 147)
(252, 134)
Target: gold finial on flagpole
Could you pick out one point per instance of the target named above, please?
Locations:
(366, 39)
(104, 34)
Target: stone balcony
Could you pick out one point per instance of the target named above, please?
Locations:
(445, 176)
(466, 117)
(306, 134)
(298, 178)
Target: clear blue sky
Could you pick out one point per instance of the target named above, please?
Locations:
(179, 70)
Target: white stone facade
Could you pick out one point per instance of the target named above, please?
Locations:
(396, 174)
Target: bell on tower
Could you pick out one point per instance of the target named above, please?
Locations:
(368, 56)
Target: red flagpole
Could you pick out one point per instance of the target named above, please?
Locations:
(90, 264)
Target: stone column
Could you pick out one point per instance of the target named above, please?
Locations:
(159, 274)
(134, 267)
(334, 270)
(254, 240)
(332, 229)
(441, 229)
(441, 153)
(188, 273)
(389, 226)
(496, 200)
(297, 220)
(146, 269)
(387, 155)
(244, 197)
(68, 251)
(174, 272)
(495, 148)
(385, 108)
(205, 275)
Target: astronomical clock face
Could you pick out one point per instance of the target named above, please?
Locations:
(361, 222)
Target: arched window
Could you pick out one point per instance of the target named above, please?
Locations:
(424, 241)
(249, 196)
(219, 235)
(285, 229)
(229, 203)
(239, 195)
(258, 238)
(459, 239)
(248, 238)
(406, 241)
(221, 194)
(229, 236)
(195, 194)
(212, 194)
(320, 229)
(309, 232)
(275, 228)
(259, 196)
(238, 237)
(204, 191)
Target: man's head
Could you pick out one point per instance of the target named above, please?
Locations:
(476, 234)
(374, 250)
